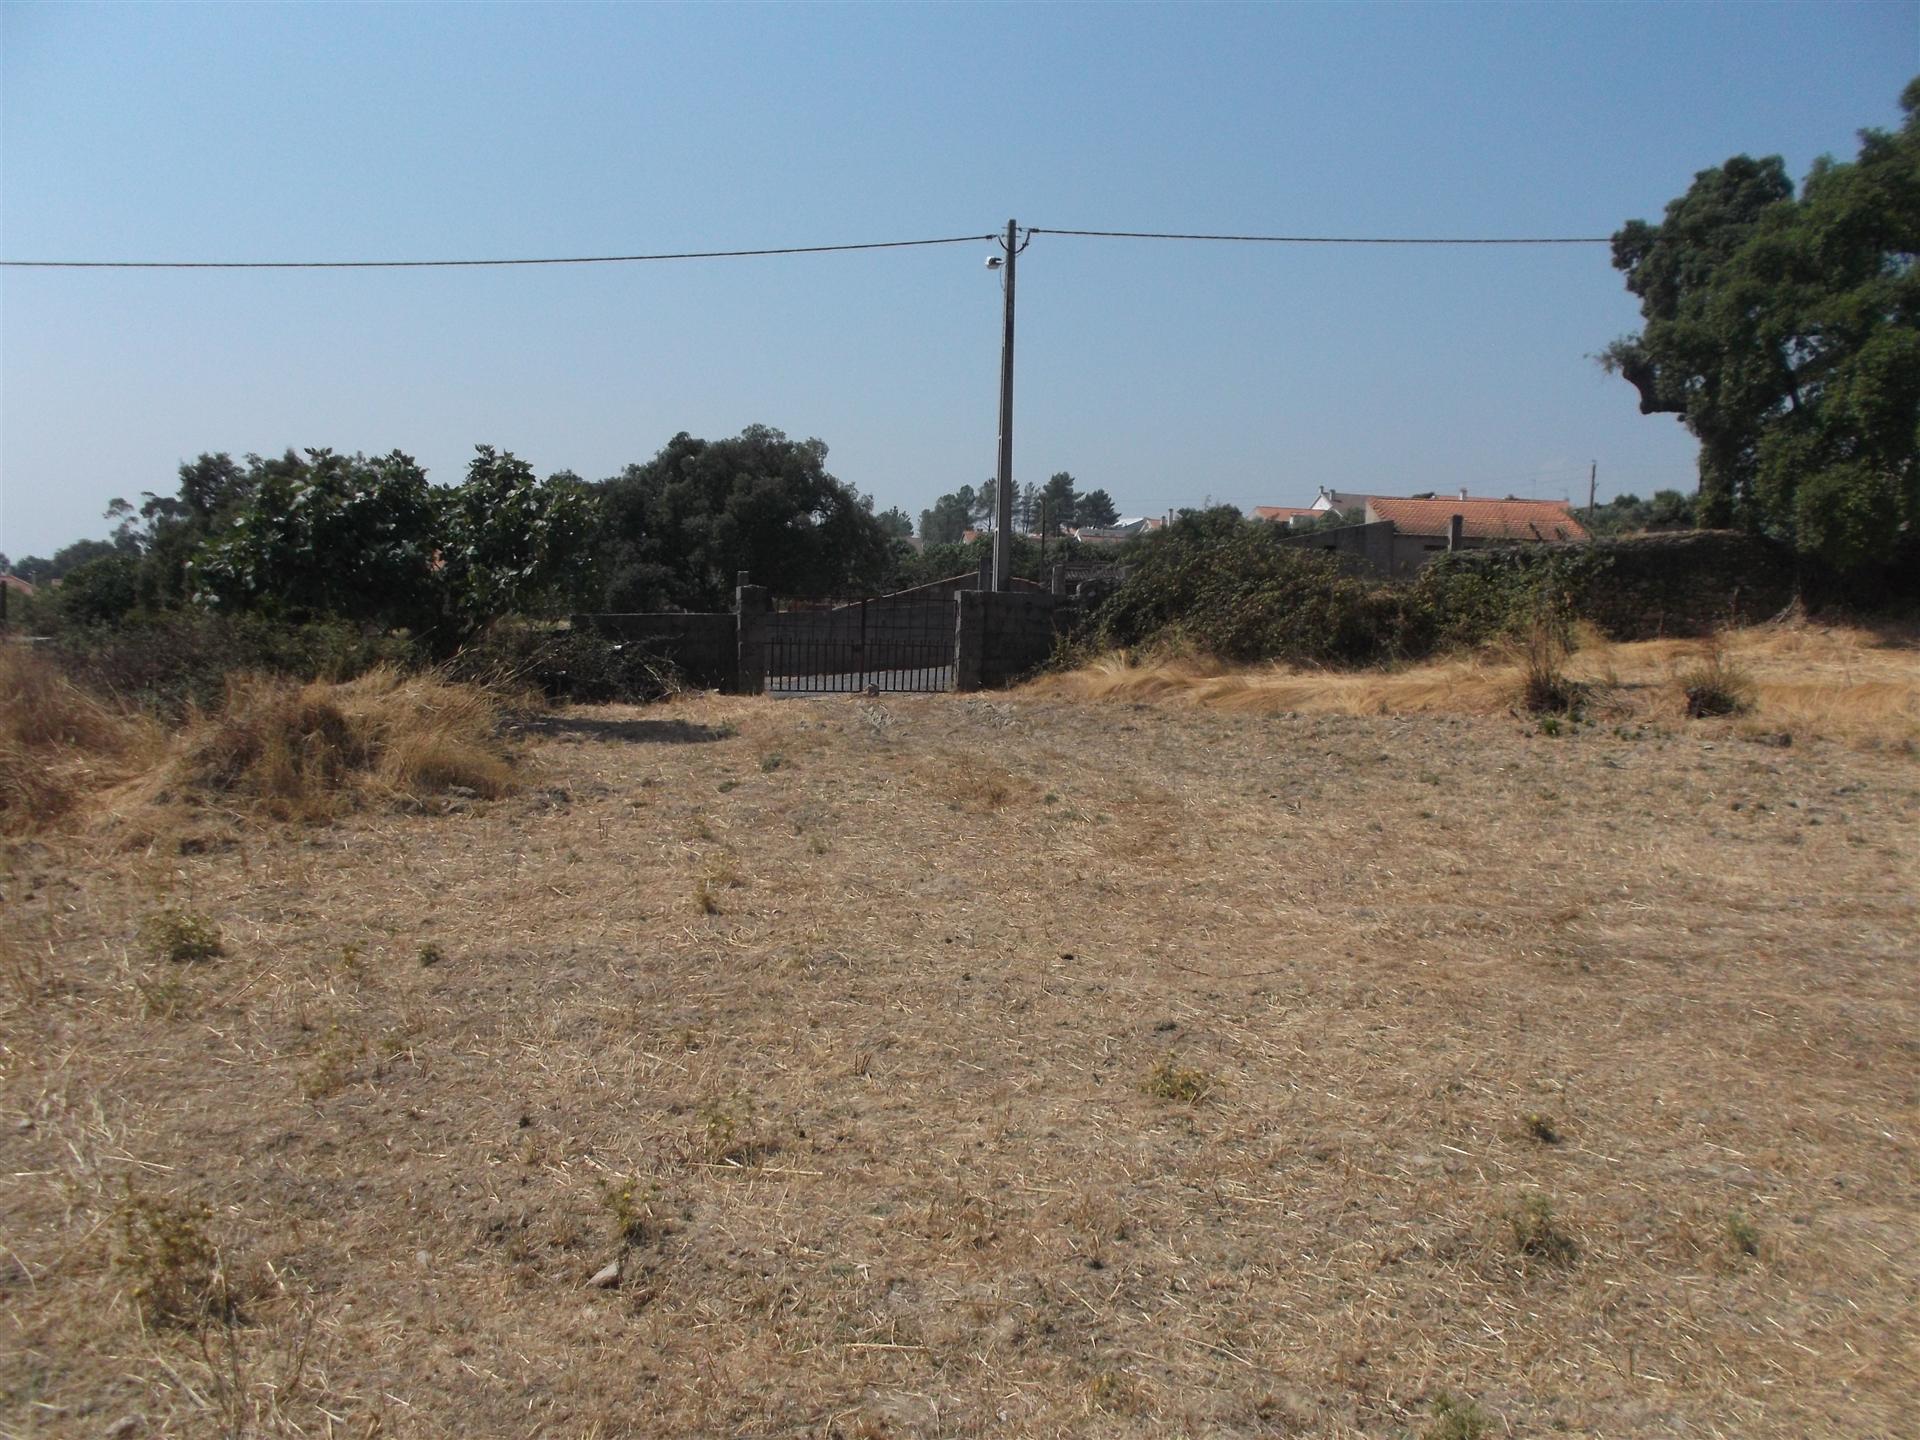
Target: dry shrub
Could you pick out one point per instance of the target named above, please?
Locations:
(57, 741)
(1851, 683)
(310, 751)
(1545, 686)
(1715, 684)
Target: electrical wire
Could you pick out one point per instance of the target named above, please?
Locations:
(1336, 239)
(1028, 231)
(450, 264)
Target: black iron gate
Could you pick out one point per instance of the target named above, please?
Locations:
(888, 644)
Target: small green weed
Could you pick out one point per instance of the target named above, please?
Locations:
(431, 954)
(638, 1218)
(174, 1266)
(771, 763)
(332, 1063)
(1550, 726)
(1741, 1235)
(1457, 1420)
(182, 937)
(1541, 1128)
(1167, 1080)
(1537, 1231)
(729, 1134)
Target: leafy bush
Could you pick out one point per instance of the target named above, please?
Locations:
(1235, 590)
(1225, 586)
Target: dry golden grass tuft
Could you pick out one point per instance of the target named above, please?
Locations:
(288, 750)
(315, 751)
(58, 743)
(1857, 684)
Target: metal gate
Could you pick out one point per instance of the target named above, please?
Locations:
(892, 643)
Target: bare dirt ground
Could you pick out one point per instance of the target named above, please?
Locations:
(1011, 1066)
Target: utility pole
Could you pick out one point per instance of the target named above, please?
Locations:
(1593, 479)
(1003, 501)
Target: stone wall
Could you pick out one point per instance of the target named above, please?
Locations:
(1686, 583)
(1638, 587)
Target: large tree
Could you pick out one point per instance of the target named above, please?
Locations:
(1784, 332)
(952, 515)
(676, 531)
(1096, 507)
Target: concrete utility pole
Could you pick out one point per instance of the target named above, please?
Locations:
(1003, 500)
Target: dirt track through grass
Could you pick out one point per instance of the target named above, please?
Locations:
(854, 1031)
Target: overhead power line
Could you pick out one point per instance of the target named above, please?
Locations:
(451, 264)
(791, 250)
(1340, 239)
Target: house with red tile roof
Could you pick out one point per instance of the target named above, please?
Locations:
(1286, 514)
(1423, 528)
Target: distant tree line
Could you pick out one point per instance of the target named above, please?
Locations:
(1037, 510)
(315, 534)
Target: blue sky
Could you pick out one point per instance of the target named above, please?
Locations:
(1167, 374)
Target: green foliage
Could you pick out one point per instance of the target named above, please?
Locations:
(102, 591)
(1784, 332)
(953, 515)
(504, 539)
(328, 535)
(1228, 586)
(1628, 514)
(1060, 501)
(1096, 507)
(675, 532)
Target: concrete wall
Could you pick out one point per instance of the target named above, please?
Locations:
(1367, 547)
(701, 647)
(1001, 637)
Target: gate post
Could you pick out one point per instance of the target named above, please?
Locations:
(986, 572)
(752, 604)
(969, 638)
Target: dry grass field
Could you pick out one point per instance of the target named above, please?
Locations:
(1028, 1065)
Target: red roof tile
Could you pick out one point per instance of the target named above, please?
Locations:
(1281, 512)
(1481, 519)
